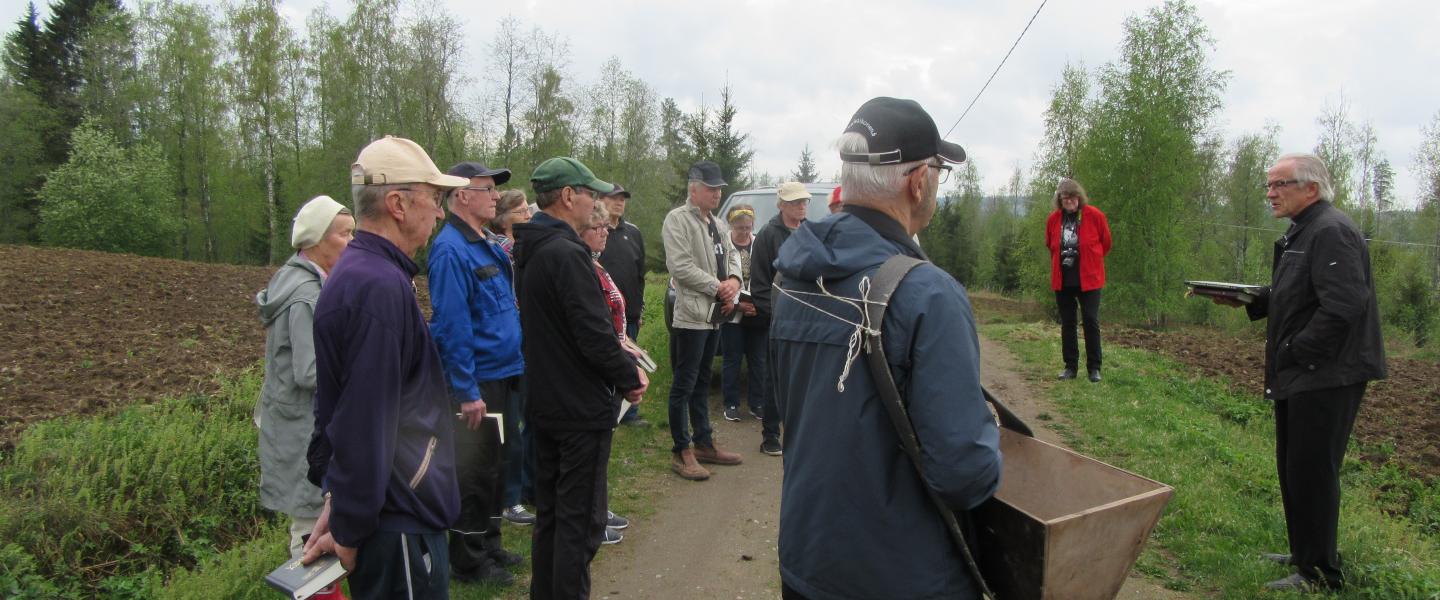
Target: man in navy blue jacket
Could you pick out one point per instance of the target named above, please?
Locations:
(855, 519)
(476, 326)
(576, 367)
(382, 449)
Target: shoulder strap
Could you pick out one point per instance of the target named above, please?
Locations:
(882, 287)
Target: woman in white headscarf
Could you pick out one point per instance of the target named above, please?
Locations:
(323, 228)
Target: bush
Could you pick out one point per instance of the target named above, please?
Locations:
(104, 503)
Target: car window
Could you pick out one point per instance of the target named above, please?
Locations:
(765, 209)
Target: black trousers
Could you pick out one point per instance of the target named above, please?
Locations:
(570, 472)
(1089, 303)
(1312, 430)
(401, 565)
(480, 472)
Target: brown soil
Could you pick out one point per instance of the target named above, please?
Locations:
(82, 332)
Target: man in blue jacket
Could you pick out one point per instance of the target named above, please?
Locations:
(855, 520)
(382, 450)
(477, 328)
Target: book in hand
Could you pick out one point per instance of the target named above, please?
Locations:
(303, 581)
(642, 358)
(1243, 293)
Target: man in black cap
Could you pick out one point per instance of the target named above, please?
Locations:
(842, 460)
(706, 271)
(624, 259)
(477, 328)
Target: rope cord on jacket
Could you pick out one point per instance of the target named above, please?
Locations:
(862, 328)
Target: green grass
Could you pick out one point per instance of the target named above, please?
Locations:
(1156, 418)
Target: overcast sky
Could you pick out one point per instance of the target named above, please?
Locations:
(799, 69)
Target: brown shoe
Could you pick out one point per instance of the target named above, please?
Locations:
(716, 456)
(683, 464)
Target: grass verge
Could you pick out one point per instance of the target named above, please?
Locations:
(1151, 416)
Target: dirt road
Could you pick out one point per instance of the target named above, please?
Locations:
(717, 538)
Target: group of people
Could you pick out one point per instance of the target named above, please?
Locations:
(534, 317)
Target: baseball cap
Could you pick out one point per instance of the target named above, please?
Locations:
(619, 191)
(791, 191)
(475, 169)
(564, 171)
(391, 160)
(899, 131)
(835, 197)
(708, 173)
(313, 221)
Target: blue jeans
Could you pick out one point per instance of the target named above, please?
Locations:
(519, 457)
(691, 353)
(632, 331)
(740, 342)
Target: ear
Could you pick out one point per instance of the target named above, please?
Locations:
(395, 205)
(915, 184)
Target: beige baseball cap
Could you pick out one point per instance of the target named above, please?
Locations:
(791, 191)
(313, 221)
(391, 160)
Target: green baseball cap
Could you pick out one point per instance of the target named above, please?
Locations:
(564, 171)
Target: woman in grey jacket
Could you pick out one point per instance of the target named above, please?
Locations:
(323, 228)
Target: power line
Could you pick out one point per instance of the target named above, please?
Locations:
(997, 68)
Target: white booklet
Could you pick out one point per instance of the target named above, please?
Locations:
(624, 408)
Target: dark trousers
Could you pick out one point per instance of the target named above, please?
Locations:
(692, 351)
(518, 463)
(401, 565)
(480, 472)
(632, 331)
(772, 417)
(1089, 303)
(570, 472)
(789, 593)
(1312, 430)
(740, 343)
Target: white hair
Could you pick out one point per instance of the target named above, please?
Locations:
(1309, 168)
(869, 182)
(370, 199)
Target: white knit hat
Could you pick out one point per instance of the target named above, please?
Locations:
(313, 221)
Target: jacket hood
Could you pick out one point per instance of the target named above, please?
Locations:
(298, 280)
(836, 246)
(540, 231)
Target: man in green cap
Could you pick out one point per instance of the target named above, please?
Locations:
(574, 367)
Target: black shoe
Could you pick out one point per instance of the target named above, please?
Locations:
(488, 573)
(1094, 375)
(634, 422)
(518, 515)
(1299, 583)
(732, 413)
(772, 447)
(611, 536)
(1283, 559)
(505, 558)
(1068, 373)
(755, 412)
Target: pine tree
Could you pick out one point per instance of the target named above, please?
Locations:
(805, 171)
(728, 146)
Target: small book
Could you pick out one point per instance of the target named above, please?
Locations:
(1239, 291)
(642, 358)
(624, 408)
(499, 422)
(745, 297)
(303, 581)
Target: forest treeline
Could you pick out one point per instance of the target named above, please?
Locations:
(175, 128)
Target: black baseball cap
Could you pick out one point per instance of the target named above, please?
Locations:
(707, 172)
(619, 191)
(899, 131)
(475, 169)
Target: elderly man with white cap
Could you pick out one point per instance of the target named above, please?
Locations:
(285, 411)
(383, 446)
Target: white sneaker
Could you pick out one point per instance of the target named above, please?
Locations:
(612, 536)
(518, 515)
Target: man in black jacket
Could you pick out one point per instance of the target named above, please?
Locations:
(624, 259)
(793, 200)
(1322, 346)
(574, 368)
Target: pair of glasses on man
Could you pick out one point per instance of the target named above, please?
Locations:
(1275, 185)
(944, 170)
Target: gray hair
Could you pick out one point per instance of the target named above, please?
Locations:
(870, 182)
(544, 199)
(369, 200)
(509, 201)
(1309, 168)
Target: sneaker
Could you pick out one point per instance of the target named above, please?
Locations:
(635, 422)
(612, 536)
(755, 412)
(772, 447)
(732, 413)
(617, 521)
(488, 573)
(506, 558)
(518, 515)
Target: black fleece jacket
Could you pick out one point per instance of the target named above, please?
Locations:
(574, 363)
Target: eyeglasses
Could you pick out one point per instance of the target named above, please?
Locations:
(944, 170)
(1275, 185)
(1069, 196)
(597, 228)
(484, 189)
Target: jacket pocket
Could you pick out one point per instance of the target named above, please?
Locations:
(424, 463)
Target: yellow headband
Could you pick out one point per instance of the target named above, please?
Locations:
(744, 212)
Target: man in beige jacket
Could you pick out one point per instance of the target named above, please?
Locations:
(706, 271)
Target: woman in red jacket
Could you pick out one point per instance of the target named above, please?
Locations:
(1079, 239)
